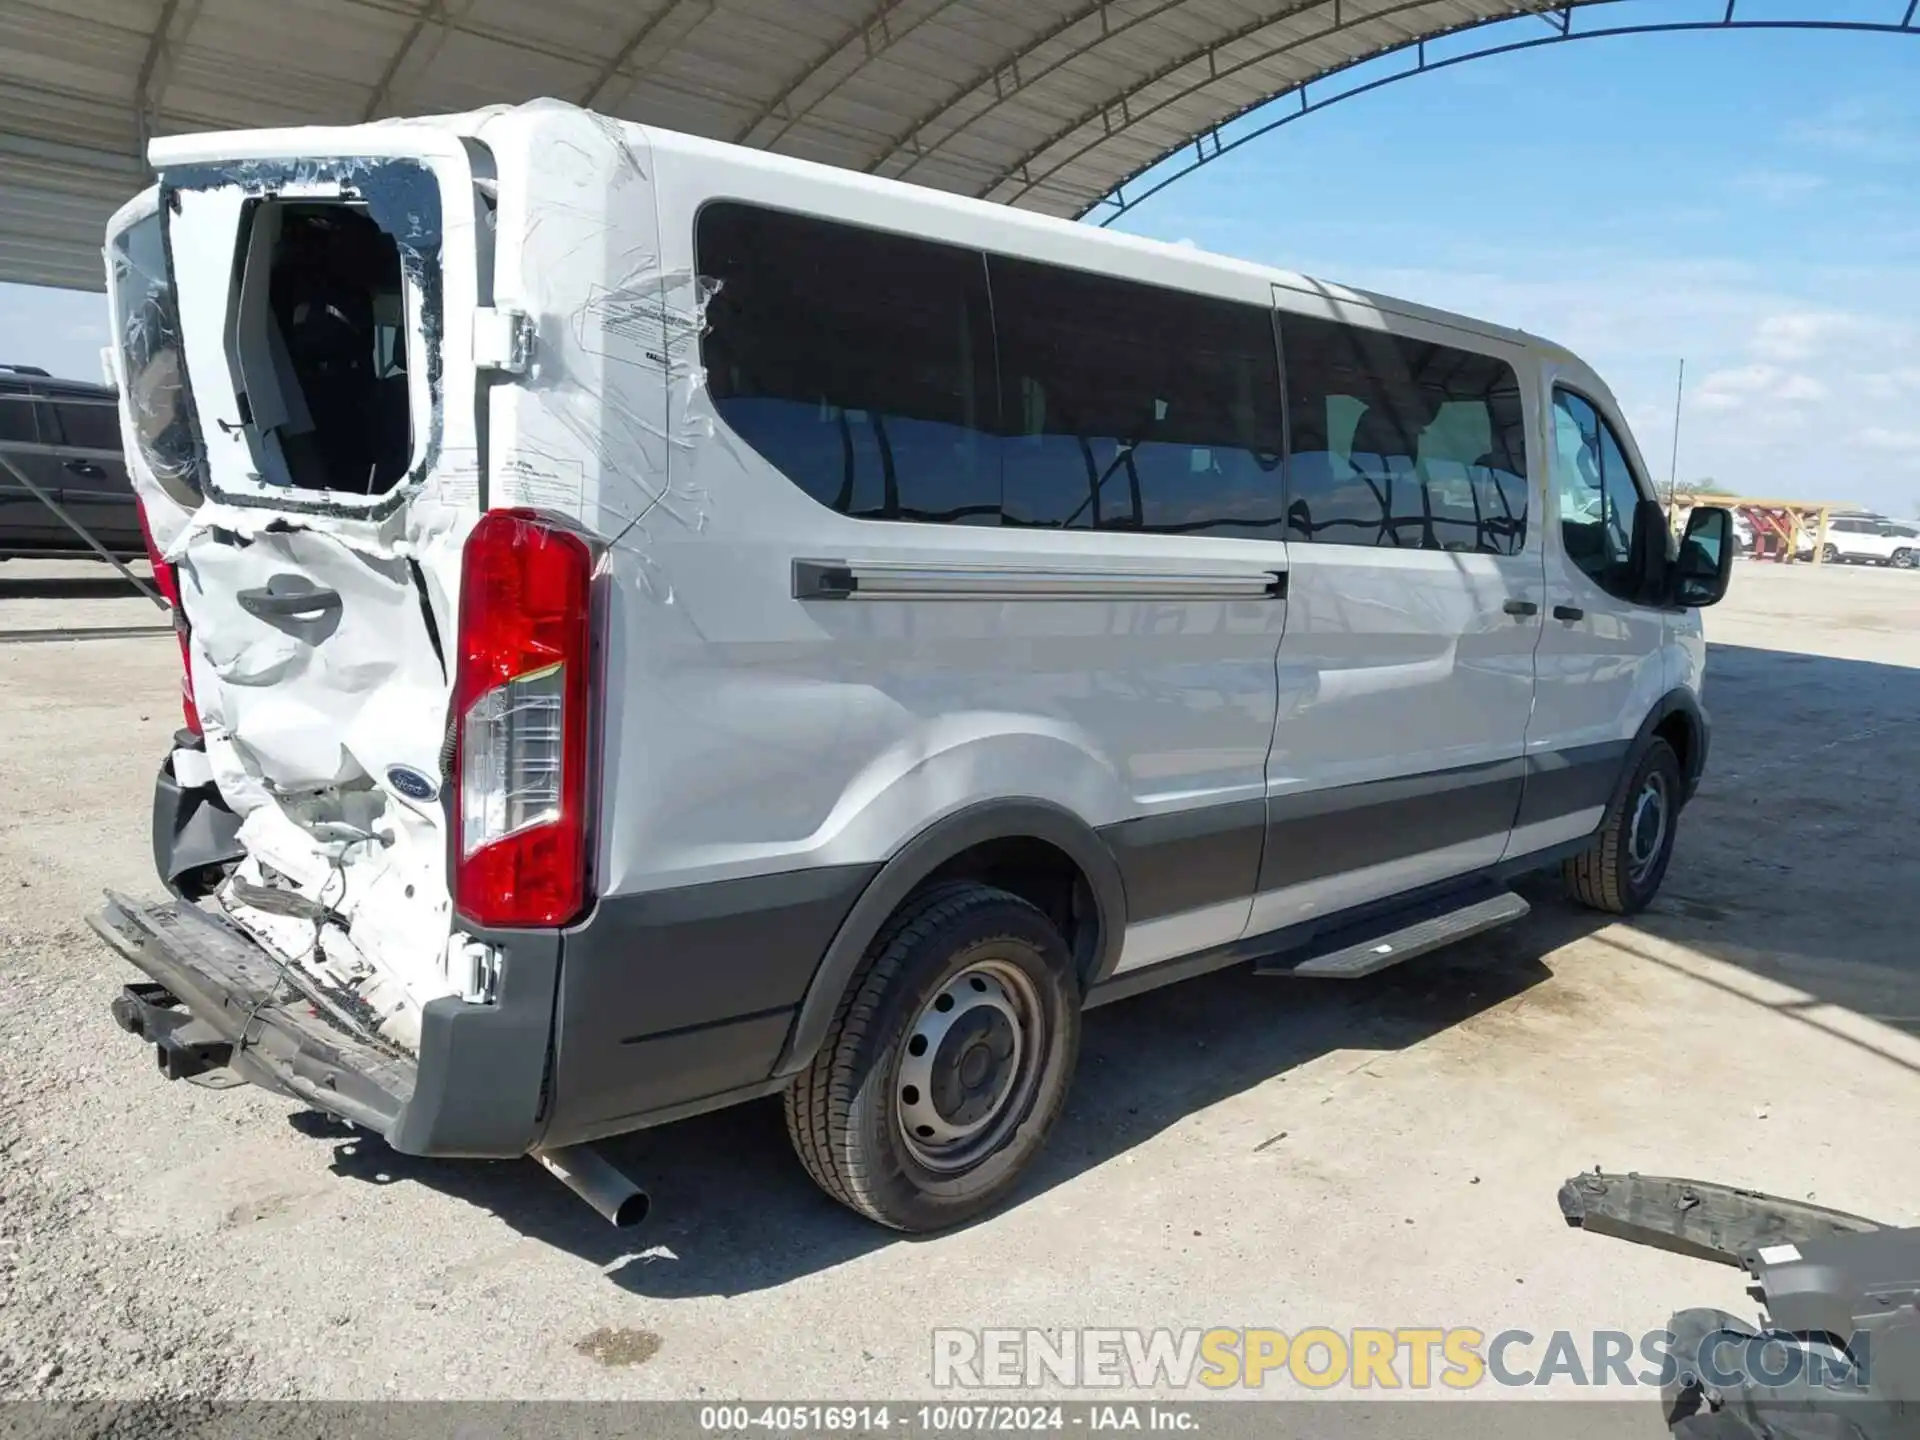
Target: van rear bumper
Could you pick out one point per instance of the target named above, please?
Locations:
(546, 1063)
(234, 991)
(651, 1008)
(475, 1090)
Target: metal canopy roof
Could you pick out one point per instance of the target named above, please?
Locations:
(1047, 104)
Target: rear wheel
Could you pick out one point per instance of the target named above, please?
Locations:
(1621, 871)
(1830, 555)
(1903, 559)
(947, 1063)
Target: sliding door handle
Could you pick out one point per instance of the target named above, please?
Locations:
(1521, 607)
(1568, 612)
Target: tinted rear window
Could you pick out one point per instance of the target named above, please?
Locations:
(1403, 442)
(1132, 407)
(897, 378)
(859, 363)
(89, 424)
(16, 414)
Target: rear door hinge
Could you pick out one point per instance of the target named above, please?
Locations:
(502, 340)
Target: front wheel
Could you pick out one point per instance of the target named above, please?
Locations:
(1903, 559)
(1621, 871)
(947, 1063)
(1830, 555)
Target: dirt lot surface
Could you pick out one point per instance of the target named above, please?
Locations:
(1237, 1151)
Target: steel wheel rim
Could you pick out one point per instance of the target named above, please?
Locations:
(1647, 828)
(967, 1071)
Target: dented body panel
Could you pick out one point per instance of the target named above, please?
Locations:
(314, 616)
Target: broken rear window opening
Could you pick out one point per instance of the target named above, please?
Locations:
(147, 322)
(318, 345)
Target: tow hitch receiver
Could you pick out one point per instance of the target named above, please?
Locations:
(183, 1045)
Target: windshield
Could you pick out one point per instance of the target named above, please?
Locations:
(147, 327)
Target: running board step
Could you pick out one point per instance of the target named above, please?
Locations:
(1355, 951)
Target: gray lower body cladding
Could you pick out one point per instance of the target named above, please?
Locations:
(666, 1003)
(1192, 859)
(675, 996)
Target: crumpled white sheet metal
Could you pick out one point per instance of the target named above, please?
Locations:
(615, 371)
(321, 708)
(615, 375)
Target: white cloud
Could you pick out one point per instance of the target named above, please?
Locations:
(1748, 380)
(1800, 390)
(1877, 437)
(1890, 385)
(1787, 338)
(1780, 187)
(1758, 385)
(1869, 129)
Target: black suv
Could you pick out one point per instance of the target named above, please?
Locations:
(65, 434)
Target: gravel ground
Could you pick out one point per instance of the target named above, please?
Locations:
(1237, 1151)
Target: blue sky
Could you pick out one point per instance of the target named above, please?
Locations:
(1748, 201)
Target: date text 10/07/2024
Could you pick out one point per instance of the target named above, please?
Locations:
(939, 1419)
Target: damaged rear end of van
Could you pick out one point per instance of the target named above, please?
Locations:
(396, 398)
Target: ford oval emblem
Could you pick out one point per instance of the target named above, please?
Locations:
(411, 783)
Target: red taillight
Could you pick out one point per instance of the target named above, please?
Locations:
(520, 722)
(167, 582)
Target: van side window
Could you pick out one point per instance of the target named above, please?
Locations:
(1402, 442)
(1131, 407)
(1598, 494)
(857, 362)
(17, 415)
(89, 424)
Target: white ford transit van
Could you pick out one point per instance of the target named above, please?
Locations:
(666, 624)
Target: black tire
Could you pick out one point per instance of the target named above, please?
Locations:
(1903, 559)
(844, 1112)
(1831, 555)
(1621, 871)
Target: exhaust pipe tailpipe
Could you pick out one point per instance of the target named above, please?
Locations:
(591, 1176)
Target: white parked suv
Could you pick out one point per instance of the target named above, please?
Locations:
(1871, 539)
(670, 623)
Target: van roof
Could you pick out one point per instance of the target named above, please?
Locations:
(1183, 265)
(1177, 257)
(53, 384)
